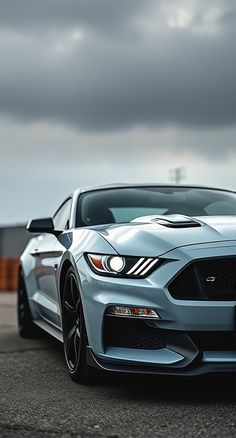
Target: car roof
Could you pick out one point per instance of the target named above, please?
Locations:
(133, 185)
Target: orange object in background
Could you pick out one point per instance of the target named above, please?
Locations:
(8, 273)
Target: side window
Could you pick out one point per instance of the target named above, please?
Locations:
(62, 216)
(221, 208)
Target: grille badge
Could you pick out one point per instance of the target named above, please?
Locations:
(210, 279)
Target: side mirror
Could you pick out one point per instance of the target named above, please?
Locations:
(44, 225)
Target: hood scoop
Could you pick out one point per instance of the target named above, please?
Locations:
(170, 221)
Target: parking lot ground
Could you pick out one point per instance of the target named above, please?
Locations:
(38, 399)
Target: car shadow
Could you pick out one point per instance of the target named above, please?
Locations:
(206, 388)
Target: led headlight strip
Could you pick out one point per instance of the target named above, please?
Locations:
(142, 266)
(123, 266)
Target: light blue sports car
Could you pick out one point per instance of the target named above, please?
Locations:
(135, 278)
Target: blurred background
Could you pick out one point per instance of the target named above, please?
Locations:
(102, 91)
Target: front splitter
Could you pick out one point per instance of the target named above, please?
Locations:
(198, 367)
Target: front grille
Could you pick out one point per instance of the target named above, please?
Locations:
(131, 333)
(214, 341)
(210, 279)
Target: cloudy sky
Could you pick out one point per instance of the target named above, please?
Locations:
(98, 91)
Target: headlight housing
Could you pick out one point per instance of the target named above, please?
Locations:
(122, 266)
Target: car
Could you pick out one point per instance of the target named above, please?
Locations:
(135, 279)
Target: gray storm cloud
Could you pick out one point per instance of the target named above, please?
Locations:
(171, 63)
(101, 15)
(95, 91)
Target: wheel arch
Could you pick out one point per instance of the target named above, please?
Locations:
(21, 274)
(64, 269)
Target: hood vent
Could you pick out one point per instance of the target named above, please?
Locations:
(171, 221)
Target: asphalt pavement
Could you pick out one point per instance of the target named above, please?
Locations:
(38, 398)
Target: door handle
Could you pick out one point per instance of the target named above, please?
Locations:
(34, 252)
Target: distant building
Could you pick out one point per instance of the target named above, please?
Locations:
(13, 240)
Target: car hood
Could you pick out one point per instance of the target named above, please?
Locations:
(154, 239)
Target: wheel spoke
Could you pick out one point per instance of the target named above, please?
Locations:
(22, 311)
(69, 308)
(76, 343)
(72, 290)
(69, 339)
(70, 302)
(78, 333)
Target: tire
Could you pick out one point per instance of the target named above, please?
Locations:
(74, 331)
(26, 327)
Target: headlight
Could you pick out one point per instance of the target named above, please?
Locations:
(136, 267)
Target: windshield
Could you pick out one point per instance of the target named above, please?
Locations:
(121, 205)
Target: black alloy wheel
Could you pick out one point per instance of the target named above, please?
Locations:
(74, 331)
(26, 327)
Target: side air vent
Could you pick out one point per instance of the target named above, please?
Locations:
(171, 221)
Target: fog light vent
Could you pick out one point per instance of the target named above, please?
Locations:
(132, 333)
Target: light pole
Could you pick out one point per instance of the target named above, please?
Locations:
(177, 174)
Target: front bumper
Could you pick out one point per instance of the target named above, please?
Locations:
(197, 368)
(178, 318)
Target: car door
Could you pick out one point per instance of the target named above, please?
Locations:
(46, 255)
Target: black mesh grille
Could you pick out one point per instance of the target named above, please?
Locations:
(131, 333)
(214, 341)
(212, 279)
